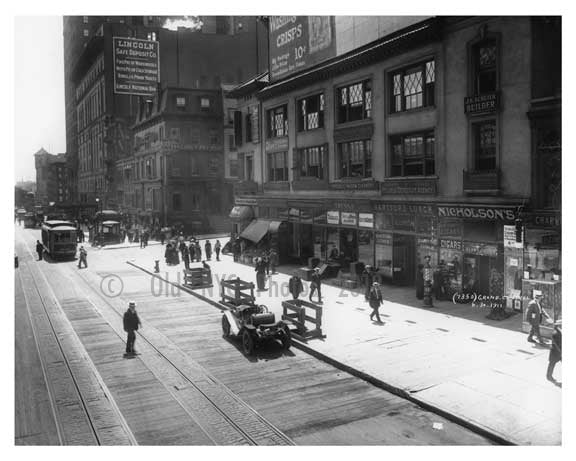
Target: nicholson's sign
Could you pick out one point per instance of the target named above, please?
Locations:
(491, 214)
(297, 42)
(136, 66)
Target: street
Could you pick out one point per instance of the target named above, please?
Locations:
(188, 385)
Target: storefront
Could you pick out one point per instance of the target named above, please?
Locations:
(241, 214)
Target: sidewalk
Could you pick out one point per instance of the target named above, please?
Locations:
(491, 377)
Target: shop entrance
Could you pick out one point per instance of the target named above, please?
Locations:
(404, 256)
(476, 274)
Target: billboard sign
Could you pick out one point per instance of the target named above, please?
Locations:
(297, 42)
(136, 66)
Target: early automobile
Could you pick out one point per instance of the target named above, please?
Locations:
(255, 326)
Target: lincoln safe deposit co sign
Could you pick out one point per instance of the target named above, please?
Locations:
(136, 66)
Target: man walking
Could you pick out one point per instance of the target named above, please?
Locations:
(273, 260)
(82, 258)
(186, 257)
(260, 269)
(534, 314)
(39, 249)
(131, 325)
(217, 248)
(555, 352)
(208, 250)
(295, 286)
(375, 300)
(316, 285)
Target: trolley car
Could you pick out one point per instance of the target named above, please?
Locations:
(59, 239)
(29, 220)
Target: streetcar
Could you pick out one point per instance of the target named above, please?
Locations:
(59, 239)
(29, 220)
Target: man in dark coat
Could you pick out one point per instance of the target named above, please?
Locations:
(295, 286)
(186, 257)
(375, 300)
(83, 258)
(131, 325)
(368, 279)
(315, 285)
(260, 269)
(217, 249)
(208, 250)
(39, 249)
(555, 352)
(198, 251)
(534, 315)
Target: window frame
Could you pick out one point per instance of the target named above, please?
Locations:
(473, 143)
(303, 165)
(349, 153)
(423, 159)
(473, 46)
(428, 90)
(302, 119)
(271, 123)
(338, 99)
(271, 169)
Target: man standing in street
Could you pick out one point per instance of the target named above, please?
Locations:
(534, 315)
(555, 352)
(131, 325)
(316, 285)
(208, 250)
(83, 258)
(273, 260)
(295, 286)
(217, 248)
(375, 300)
(260, 269)
(39, 249)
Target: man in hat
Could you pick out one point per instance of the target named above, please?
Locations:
(82, 258)
(39, 249)
(375, 300)
(534, 314)
(131, 325)
(295, 286)
(316, 285)
(555, 355)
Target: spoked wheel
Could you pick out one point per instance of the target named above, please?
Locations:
(225, 326)
(286, 339)
(247, 343)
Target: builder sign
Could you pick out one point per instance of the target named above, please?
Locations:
(136, 66)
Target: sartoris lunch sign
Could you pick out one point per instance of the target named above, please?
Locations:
(297, 42)
(136, 66)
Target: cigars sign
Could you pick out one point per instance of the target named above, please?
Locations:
(480, 213)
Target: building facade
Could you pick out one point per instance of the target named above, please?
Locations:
(420, 143)
(51, 178)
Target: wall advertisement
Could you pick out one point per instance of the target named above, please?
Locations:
(136, 66)
(297, 42)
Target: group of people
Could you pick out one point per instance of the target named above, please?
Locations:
(264, 265)
(190, 252)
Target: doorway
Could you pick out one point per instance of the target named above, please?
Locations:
(476, 274)
(403, 257)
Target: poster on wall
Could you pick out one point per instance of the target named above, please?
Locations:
(136, 66)
(333, 217)
(297, 42)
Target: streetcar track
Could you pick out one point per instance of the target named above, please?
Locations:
(66, 362)
(207, 376)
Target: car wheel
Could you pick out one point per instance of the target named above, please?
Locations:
(247, 343)
(225, 326)
(286, 339)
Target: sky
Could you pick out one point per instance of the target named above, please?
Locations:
(39, 91)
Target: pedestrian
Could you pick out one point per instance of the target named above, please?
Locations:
(260, 269)
(420, 282)
(145, 237)
(39, 249)
(266, 261)
(217, 248)
(162, 237)
(534, 316)
(82, 258)
(367, 279)
(131, 325)
(555, 355)
(198, 251)
(237, 250)
(316, 285)
(375, 301)
(182, 248)
(208, 249)
(273, 260)
(186, 257)
(295, 286)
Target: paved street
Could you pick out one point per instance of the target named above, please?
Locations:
(481, 371)
(188, 385)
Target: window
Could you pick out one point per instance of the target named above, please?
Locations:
(249, 168)
(175, 133)
(233, 165)
(177, 201)
(277, 166)
(413, 154)
(355, 159)
(355, 102)
(248, 123)
(213, 136)
(85, 19)
(278, 122)
(86, 33)
(151, 36)
(310, 113)
(413, 87)
(180, 102)
(238, 128)
(484, 138)
(311, 162)
(484, 56)
(205, 103)
(194, 136)
(231, 144)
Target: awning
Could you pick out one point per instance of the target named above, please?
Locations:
(240, 212)
(255, 230)
(274, 225)
(110, 223)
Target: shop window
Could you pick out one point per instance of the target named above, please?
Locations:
(484, 145)
(278, 122)
(311, 162)
(310, 113)
(277, 166)
(413, 87)
(355, 159)
(413, 155)
(354, 102)
(485, 66)
(177, 202)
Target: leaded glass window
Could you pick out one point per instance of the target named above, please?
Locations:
(355, 102)
(413, 87)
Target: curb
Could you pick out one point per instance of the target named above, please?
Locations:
(480, 430)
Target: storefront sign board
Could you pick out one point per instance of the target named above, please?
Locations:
(333, 217)
(136, 66)
(510, 238)
(451, 244)
(405, 208)
(349, 219)
(366, 220)
(483, 213)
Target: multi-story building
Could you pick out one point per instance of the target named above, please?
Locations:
(416, 143)
(51, 178)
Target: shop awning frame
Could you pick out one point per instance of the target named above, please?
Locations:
(256, 230)
(241, 213)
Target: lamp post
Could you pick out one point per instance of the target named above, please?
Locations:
(427, 283)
